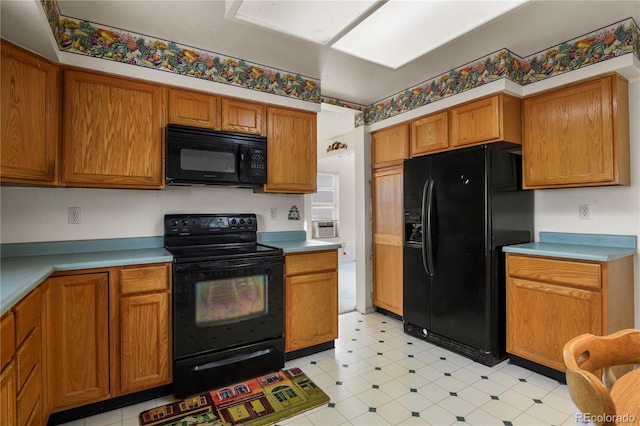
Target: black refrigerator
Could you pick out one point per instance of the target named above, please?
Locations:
(460, 208)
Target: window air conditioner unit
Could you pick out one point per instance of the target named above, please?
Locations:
(325, 229)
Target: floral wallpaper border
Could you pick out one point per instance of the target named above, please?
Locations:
(109, 43)
(100, 41)
(615, 40)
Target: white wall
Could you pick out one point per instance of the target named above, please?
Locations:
(41, 214)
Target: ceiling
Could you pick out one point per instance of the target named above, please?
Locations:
(529, 28)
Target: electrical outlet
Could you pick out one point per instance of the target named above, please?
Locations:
(273, 213)
(584, 211)
(74, 215)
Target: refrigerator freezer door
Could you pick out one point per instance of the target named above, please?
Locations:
(416, 282)
(416, 297)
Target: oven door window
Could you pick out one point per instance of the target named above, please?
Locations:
(207, 161)
(227, 300)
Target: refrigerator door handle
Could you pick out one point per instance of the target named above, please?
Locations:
(427, 214)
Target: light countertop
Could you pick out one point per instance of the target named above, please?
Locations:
(20, 273)
(295, 241)
(23, 266)
(594, 247)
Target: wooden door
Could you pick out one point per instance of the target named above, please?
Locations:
(429, 134)
(477, 121)
(570, 138)
(386, 194)
(312, 309)
(291, 151)
(29, 94)
(144, 341)
(389, 147)
(78, 339)
(542, 317)
(242, 116)
(112, 132)
(196, 109)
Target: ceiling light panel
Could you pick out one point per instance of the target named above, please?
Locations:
(312, 20)
(403, 30)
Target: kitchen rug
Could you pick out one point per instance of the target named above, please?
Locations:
(260, 401)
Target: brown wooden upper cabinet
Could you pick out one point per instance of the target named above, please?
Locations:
(112, 131)
(490, 119)
(192, 108)
(578, 135)
(242, 116)
(430, 134)
(201, 109)
(291, 150)
(30, 105)
(390, 146)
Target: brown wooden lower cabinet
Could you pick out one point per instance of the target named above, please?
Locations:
(21, 390)
(552, 300)
(108, 333)
(145, 325)
(311, 299)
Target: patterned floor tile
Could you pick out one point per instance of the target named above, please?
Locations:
(378, 375)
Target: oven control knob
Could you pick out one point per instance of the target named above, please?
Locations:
(241, 221)
(249, 221)
(234, 221)
(185, 222)
(173, 223)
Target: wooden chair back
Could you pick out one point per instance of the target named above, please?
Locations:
(587, 356)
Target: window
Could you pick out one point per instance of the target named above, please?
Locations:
(324, 203)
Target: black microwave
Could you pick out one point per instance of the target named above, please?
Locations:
(197, 156)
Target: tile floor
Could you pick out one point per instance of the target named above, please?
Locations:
(377, 375)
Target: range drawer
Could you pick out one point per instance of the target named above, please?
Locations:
(298, 263)
(578, 273)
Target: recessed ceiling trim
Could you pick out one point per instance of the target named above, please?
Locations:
(401, 31)
(390, 33)
(320, 22)
(357, 21)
